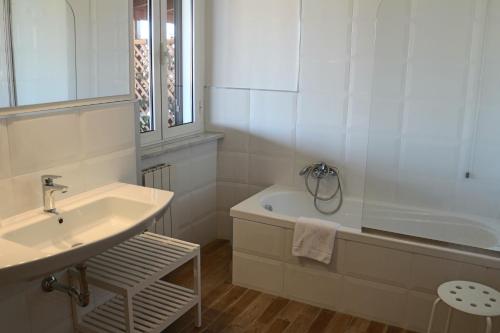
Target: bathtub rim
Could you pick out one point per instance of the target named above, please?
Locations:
(251, 210)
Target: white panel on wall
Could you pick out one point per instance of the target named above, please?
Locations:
(108, 130)
(4, 151)
(43, 142)
(272, 123)
(254, 44)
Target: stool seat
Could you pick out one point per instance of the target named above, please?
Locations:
(471, 297)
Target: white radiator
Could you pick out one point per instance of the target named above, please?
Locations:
(159, 177)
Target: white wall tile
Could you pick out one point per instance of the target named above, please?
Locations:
(182, 216)
(205, 230)
(324, 77)
(429, 272)
(434, 119)
(4, 151)
(14, 314)
(204, 165)
(228, 107)
(203, 201)
(107, 129)
(230, 194)
(273, 108)
(377, 264)
(233, 61)
(43, 142)
(321, 16)
(224, 225)
(321, 143)
(321, 109)
(265, 170)
(233, 167)
(361, 296)
(115, 167)
(7, 199)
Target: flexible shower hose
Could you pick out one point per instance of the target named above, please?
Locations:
(318, 198)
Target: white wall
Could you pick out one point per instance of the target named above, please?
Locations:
(422, 74)
(193, 180)
(270, 134)
(4, 88)
(253, 44)
(89, 147)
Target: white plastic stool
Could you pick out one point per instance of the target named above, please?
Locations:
(469, 297)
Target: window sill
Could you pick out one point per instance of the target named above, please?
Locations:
(157, 149)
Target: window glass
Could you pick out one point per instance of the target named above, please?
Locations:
(142, 64)
(177, 68)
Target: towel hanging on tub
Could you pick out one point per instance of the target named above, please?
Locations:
(314, 239)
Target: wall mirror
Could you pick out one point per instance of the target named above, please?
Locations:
(63, 50)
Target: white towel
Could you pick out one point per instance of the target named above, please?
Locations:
(314, 239)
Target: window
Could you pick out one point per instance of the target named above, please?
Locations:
(164, 65)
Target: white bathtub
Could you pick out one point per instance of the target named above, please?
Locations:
(287, 204)
(380, 277)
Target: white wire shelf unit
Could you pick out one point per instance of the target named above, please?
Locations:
(143, 302)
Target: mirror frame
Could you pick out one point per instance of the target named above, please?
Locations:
(65, 105)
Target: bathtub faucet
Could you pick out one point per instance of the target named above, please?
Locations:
(319, 170)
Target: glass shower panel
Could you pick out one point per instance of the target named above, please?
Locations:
(430, 161)
(4, 74)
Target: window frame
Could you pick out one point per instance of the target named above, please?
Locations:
(163, 133)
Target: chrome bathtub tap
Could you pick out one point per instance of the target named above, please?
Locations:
(49, 189)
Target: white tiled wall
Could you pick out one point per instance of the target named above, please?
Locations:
(243, 37)
(193, 180)
(271, 133)
(89, 147)
(388, 93)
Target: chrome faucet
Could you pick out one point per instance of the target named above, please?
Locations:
(49, 189)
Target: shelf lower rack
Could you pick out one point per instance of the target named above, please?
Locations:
(154, 309)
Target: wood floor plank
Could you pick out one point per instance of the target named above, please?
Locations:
(340, 323)
(376, 327)
(358, 325)
(304, 320)
(272, 310)
(232, 309)
(392, 329)
(246, 321)
(278, 326)
(321, 322)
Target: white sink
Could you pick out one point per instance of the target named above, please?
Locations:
(36, 243)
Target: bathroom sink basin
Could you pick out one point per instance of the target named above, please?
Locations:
(36, 243)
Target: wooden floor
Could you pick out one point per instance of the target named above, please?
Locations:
(229, 308)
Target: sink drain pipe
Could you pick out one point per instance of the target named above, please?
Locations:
(81, 297)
